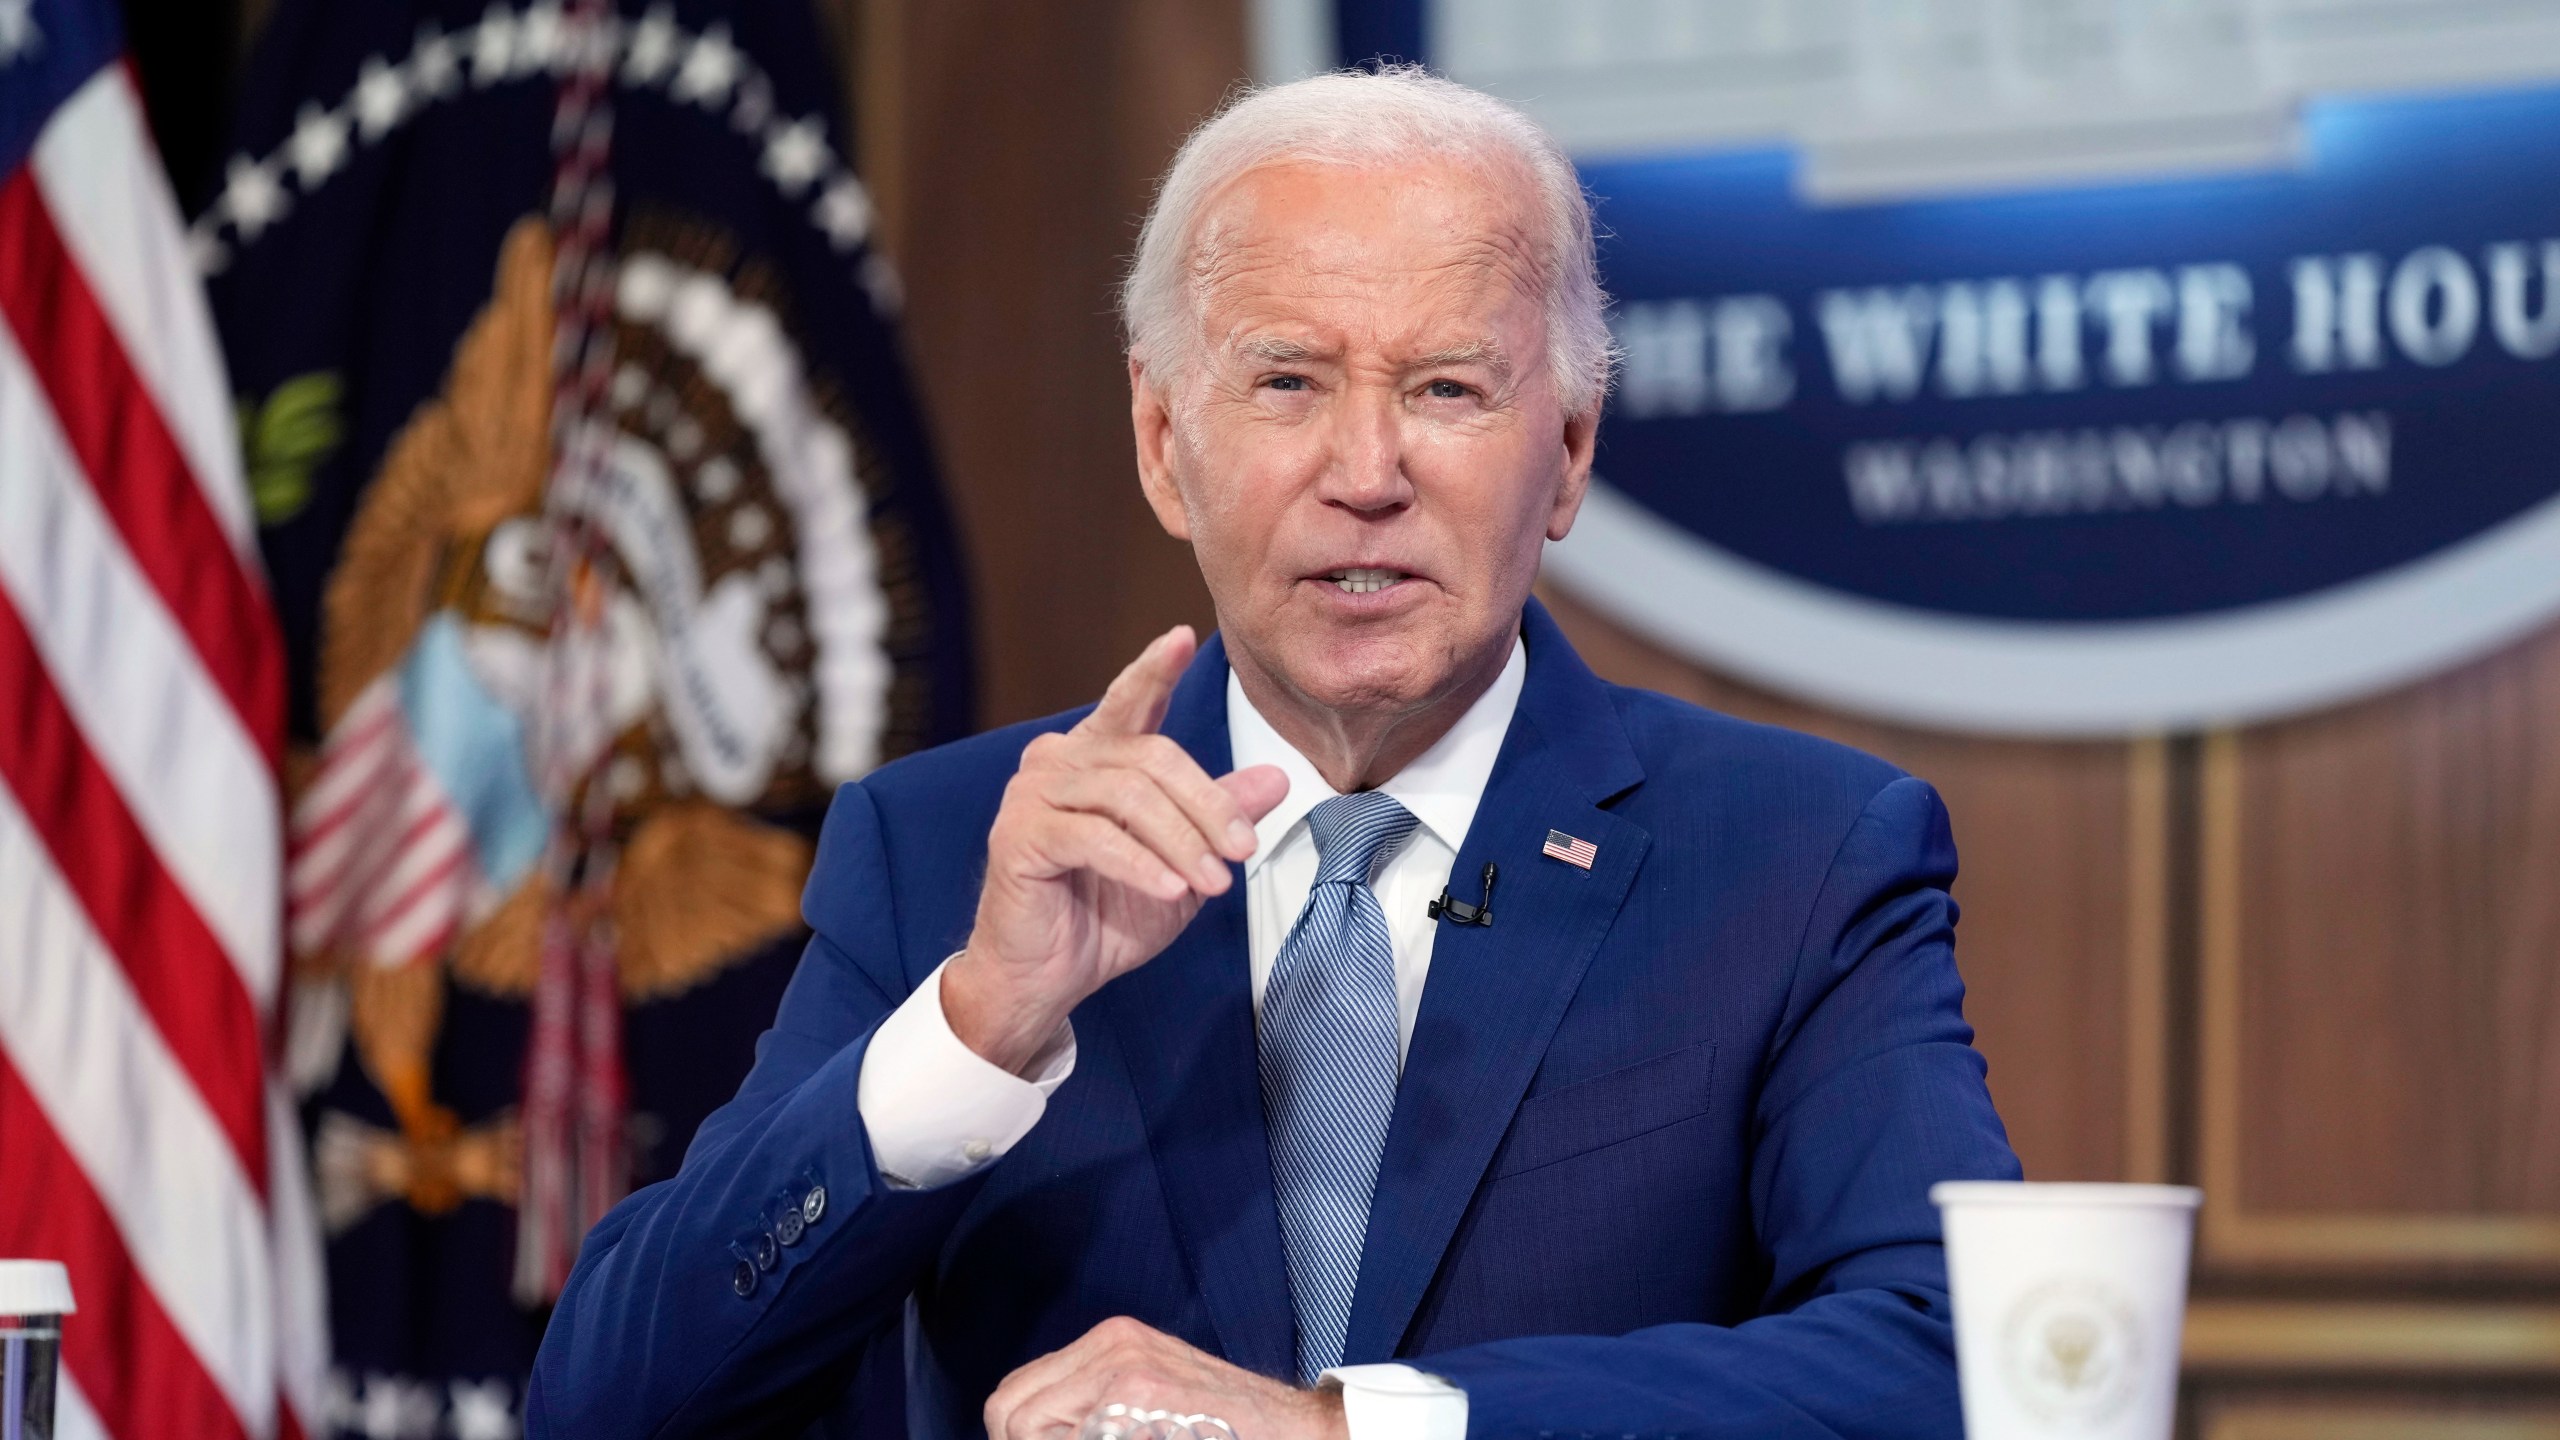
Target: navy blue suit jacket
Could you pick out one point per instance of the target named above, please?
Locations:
(1659, 1162)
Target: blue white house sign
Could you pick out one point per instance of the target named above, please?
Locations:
(2200, 393)
(2087, 461)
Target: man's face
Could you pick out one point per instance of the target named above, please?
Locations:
(1370, 448)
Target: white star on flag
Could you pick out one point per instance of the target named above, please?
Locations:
(844, 212)
(432, 67)
(396, 1409)
(493, 48)
(252, 197)
(795, 154)
(653, 47)
(318, 145)
(382, 99)
(710, 68)
(18, 33)
(542, 40)
(481, 1411)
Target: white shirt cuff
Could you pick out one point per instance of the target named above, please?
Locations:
(934, 1108)
(1398, 1402)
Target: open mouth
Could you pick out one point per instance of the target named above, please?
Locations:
(1364, 581)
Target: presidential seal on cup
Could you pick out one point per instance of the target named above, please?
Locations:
(2069, 1299)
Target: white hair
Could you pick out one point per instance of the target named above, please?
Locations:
(1390, 116)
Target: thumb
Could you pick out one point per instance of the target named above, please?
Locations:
(1257, 789)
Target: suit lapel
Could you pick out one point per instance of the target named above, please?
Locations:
(1496, 993)
(1184, 1023)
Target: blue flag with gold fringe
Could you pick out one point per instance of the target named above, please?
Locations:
(607, 542)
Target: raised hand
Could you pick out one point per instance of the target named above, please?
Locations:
(1109, 839)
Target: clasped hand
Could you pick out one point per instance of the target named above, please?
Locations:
(1122, 1362)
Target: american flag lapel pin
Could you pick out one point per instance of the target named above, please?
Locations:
(1576, 853)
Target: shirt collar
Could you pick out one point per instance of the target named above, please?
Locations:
(1442, 787)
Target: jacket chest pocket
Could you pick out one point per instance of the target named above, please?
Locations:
(1610, 1109)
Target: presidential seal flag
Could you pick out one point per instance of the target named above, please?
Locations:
(142, 1142)
(607, 544)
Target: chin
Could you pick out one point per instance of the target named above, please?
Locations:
(1371, 672)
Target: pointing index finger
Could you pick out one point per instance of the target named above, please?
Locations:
(1135, 703)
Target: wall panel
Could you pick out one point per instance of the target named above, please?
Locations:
(2367, 1417)
(2381, 991)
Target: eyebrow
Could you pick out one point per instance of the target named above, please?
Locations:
(1488, 353)
(1275, 350)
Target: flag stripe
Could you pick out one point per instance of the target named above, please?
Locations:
(117, 214)
(147, 1142)
(326, 881)
(351, 762)
(193, 778)
(114, 430)
(420, 919)
(73, 1417)
(352, 848)
(383, 853)
(301, 1271)
(175, 965)
(118, 1104)
(130, 1364)
(427, 848)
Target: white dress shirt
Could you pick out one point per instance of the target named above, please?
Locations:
(935, 1111)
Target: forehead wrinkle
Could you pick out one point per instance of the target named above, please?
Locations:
(1271, 349)
(1236, 262)
(1446, 302)
(1484, 350)
(1282, 350)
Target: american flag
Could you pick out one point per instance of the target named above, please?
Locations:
(144, 1140)
(1577, 853)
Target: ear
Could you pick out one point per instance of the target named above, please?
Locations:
(1581, 437)
(1151, 418)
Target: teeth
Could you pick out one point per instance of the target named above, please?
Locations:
(1363, 582)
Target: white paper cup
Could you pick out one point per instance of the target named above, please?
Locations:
(2069, 1300)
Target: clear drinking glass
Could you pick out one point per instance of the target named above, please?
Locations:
(1129, 1422)
(34, 1296)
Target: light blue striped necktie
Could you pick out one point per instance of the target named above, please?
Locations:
(1329, 1066)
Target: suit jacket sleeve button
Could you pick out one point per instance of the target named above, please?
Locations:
(788, 1227)
(813, 1204)
(768, 1252)
(743, 1279)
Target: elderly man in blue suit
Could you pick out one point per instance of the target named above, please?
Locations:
(1365, 1022)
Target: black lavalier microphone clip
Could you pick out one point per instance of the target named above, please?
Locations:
(1459, 912)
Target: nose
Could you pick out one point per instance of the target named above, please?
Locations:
(1365, 472)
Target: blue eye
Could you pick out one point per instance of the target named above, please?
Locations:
(1446, 390)
(1287, 382)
